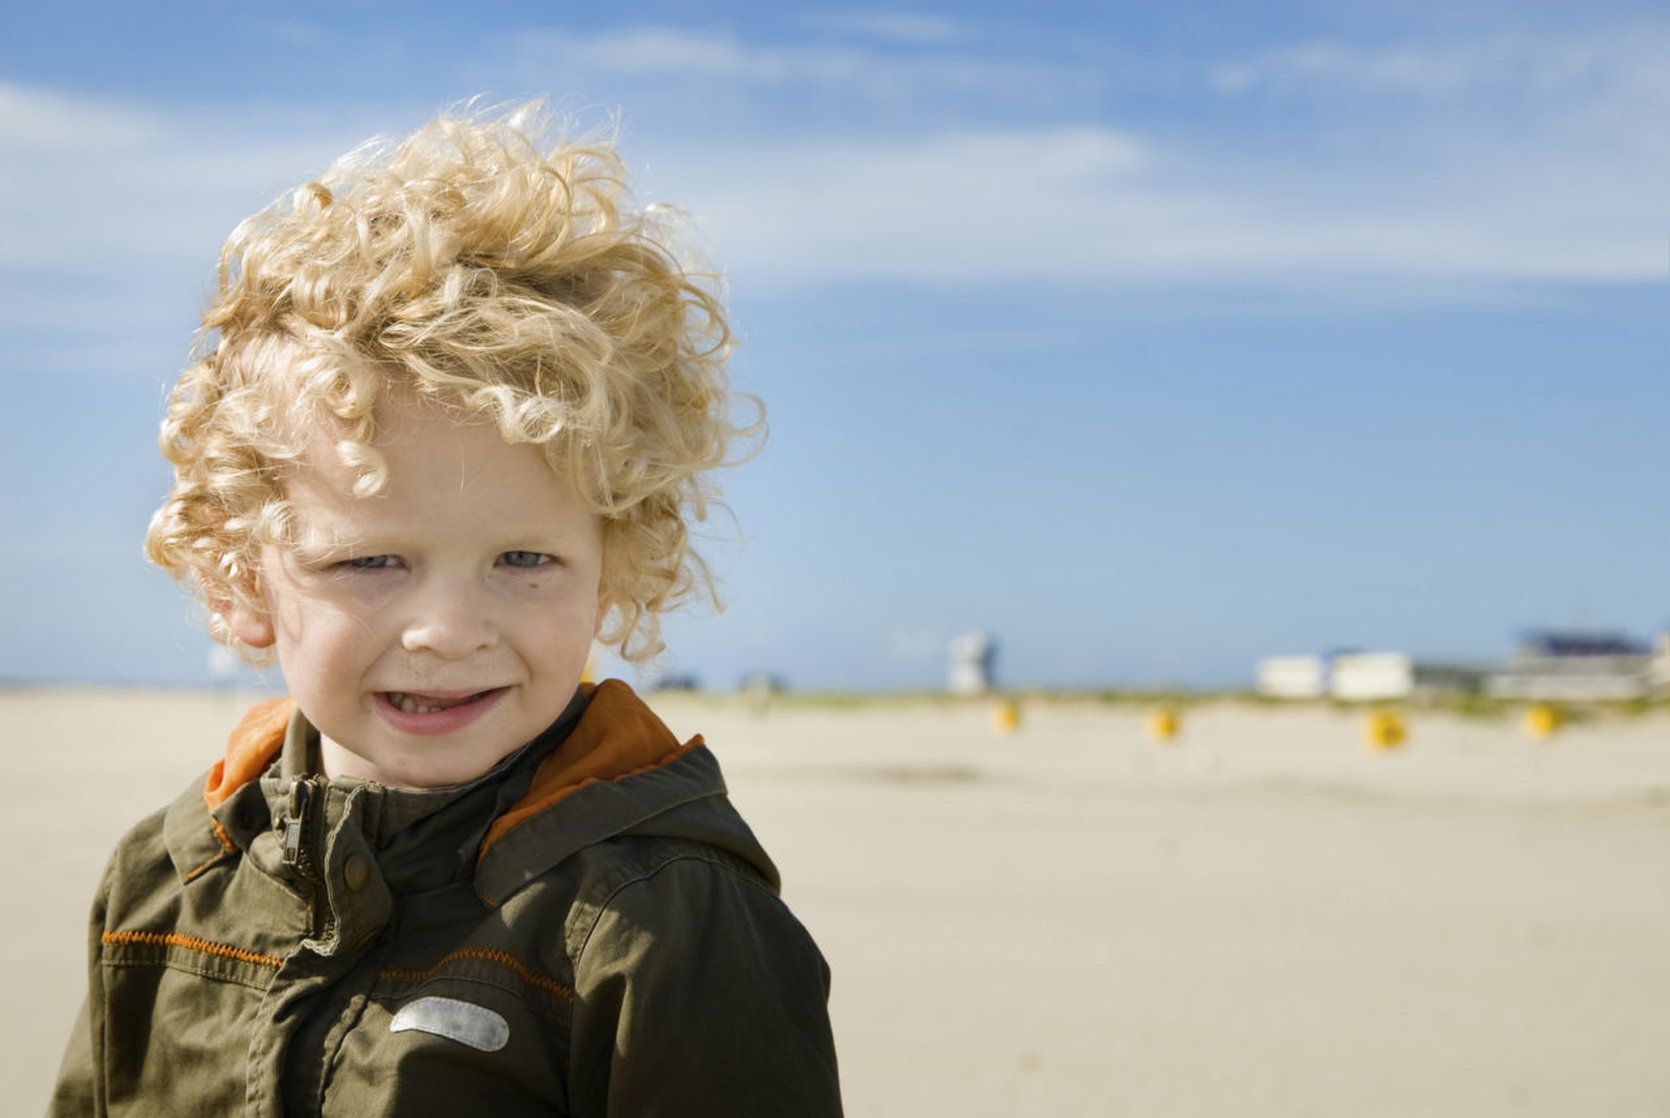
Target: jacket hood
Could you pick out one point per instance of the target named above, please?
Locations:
(619, 772)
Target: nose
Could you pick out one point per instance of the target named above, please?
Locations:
(450, 619)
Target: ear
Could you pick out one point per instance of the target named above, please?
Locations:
(252, 626)
(604, 604)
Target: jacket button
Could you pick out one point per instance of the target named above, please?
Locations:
(356, 872)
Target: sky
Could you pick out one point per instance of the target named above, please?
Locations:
(1148, 339)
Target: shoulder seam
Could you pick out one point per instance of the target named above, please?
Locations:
(690, 853)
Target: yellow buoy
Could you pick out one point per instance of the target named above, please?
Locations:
(1162, 725)
(1384, 731)
(1006, 716)
(1542, 720)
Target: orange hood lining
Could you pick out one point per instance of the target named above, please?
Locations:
(249, 750)
(617, 737)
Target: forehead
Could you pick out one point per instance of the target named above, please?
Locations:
(428, 462)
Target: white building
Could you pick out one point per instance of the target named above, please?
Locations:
(970, 670)
(1373, 675)
(1293, 677)
(1360, 677)
(1547, 667)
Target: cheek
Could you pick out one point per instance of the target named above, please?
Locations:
(562, 632)
(293, 623)
(318, 631)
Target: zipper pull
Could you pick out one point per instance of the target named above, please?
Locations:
(294, 824)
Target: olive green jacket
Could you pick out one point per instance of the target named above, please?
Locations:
(590, 929)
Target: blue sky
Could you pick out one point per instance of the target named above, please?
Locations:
(1149, 338)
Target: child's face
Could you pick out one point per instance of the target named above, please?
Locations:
(435, 628)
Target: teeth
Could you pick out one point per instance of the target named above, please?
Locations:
(410, 705)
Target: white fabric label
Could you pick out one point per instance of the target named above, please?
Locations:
(465, 1022)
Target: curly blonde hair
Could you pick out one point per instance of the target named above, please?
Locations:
(484, 265)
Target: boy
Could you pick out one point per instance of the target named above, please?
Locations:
(455, 404)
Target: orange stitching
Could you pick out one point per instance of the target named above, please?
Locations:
(227, 847)
(189, 943)
(503, 958)
(225, 839)
(193, 875)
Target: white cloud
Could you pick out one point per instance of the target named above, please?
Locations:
(888, 25)
(45, 119)
(844, 70)
(1319, 65)
(121, 191)
(1514, 158)
(1563, 69)
(665, 50)
(87, 182)
(1098, 206)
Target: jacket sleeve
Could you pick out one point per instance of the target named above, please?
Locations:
(79, 1092)
(697, 993)
(73, 1095)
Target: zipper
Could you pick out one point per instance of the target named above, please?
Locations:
(299, 834)
(293, 826)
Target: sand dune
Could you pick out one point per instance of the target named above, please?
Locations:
(1263, 918)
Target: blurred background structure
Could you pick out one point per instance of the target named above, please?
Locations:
(973, 657)
(1585, 666)
(1546, 666)
(1152, 339)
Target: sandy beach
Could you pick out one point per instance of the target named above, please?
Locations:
(1263, 917)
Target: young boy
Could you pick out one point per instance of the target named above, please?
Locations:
(455, 405)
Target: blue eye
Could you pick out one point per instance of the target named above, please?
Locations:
(524, 559)
(372, 562)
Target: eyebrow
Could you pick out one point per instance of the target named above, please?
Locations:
(316, 545)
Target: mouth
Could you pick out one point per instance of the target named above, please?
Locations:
(416, 702)
(436, 712)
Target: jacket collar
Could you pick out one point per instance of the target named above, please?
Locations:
(620, 766)
(616, 737)
(250, 748)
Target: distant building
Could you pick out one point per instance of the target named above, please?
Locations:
(972, 656)
(1294, 677)
(1581, 667)
(1396, 675)
(1354, 676)
(1547, 666)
